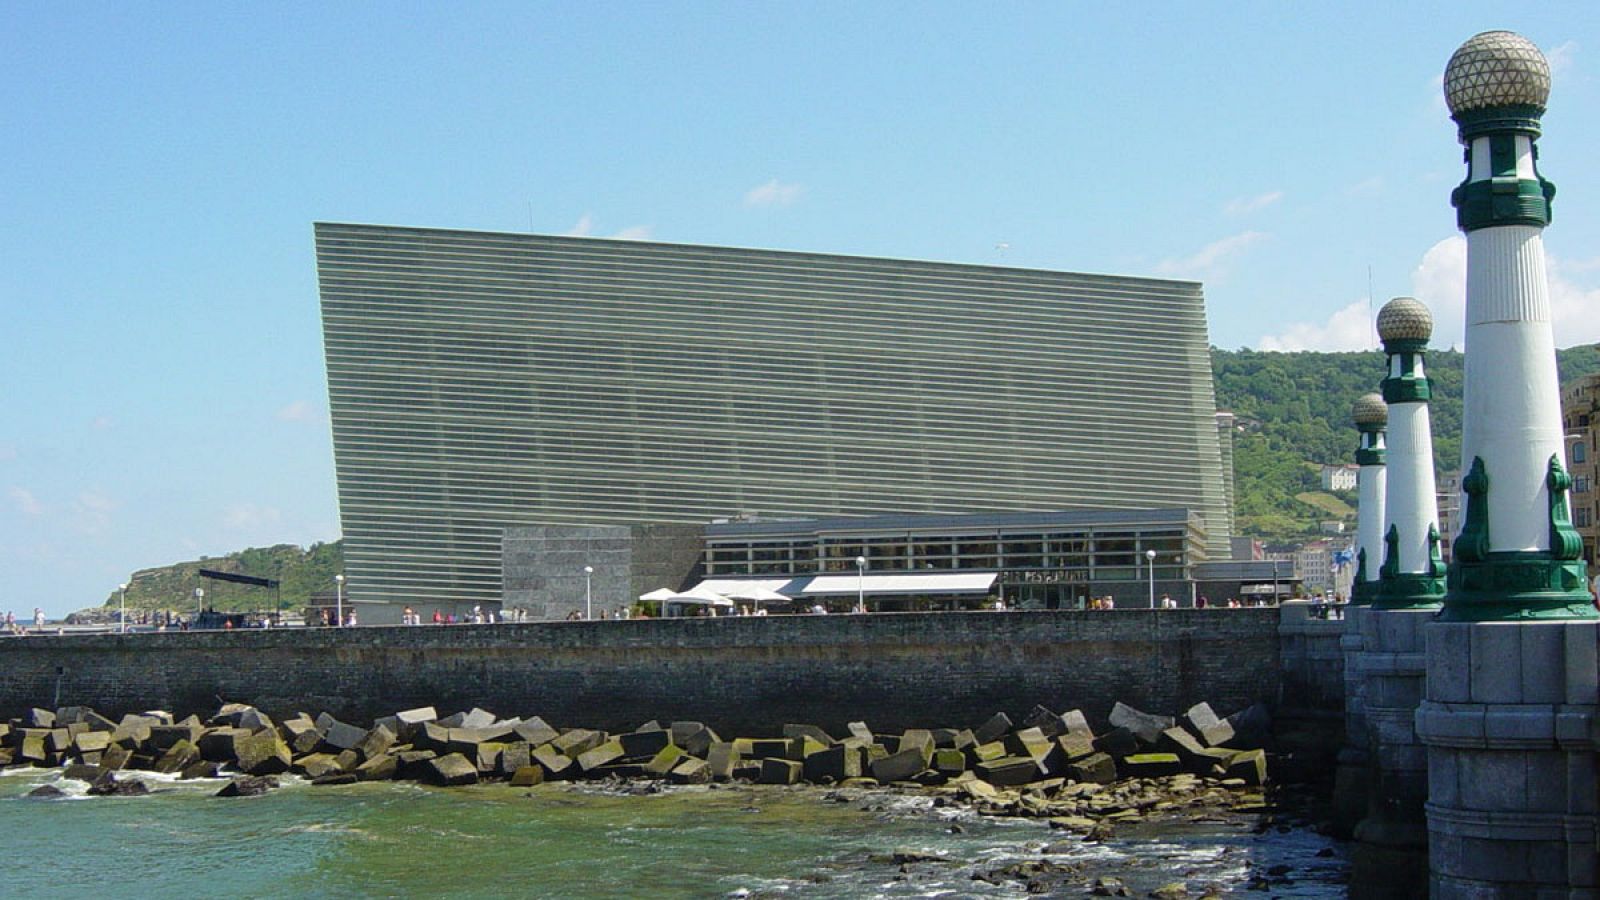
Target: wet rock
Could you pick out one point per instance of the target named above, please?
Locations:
(177, 757)
(336, 778)
(341, 736)
(1109, 887)
(109, 785)
(1176, 890)
(83, 773)
(316, 765)
(1010, 771)
(165, 737)
(248, 786)
(1151, 765)
(263, 753)
(201, 769)
(46, 792)
(1076, 824)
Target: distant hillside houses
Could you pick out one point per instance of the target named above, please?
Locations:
(1339, 477)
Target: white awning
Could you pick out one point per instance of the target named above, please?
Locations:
(920, 583)
(749, 588)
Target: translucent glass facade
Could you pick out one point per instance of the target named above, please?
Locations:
(479, 380)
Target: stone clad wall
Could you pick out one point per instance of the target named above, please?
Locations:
(1313, 661)
(744, 675)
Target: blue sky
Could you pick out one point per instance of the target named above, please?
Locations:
(162, 384)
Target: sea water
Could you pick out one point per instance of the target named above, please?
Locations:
(404, 840)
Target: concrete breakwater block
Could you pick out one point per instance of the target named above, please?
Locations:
(1145, 726)
(1049, 765)
(450, 770)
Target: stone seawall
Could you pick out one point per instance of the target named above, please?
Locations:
(751, 674)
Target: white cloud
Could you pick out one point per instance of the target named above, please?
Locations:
(1572, 308)
(1561, 57)
(92, 510)
(582, 227)
(1366, 187)
(248, 515)
(298, 411)
(26, 502)
(101, 423)
(635, 233)
(1210, 261)
(773, 193)
(1349, 328)
(1238, 206)
(1440, 281)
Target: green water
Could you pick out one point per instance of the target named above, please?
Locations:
(401, 840)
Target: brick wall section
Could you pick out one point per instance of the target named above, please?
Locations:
(743, 675)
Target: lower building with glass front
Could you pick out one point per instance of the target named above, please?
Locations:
(1045, 560)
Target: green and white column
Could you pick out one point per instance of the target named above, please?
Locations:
(1509, 713)
(1371, 415)
(1353, 778)
(1411, 581)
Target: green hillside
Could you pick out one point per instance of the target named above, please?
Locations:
(1294, 408)
(302, 571)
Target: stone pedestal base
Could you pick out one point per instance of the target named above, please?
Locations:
(1389, 861)
(1393, 665)
(1352, 780)
(1509, 723)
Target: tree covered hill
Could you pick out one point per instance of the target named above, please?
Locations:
(1293, 413)
(302, 571)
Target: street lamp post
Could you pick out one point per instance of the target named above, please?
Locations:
(861, 583)
(338, 600)
(1150, 556)
(588, 592)
(122, 612)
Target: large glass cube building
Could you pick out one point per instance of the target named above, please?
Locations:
(479, 381)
